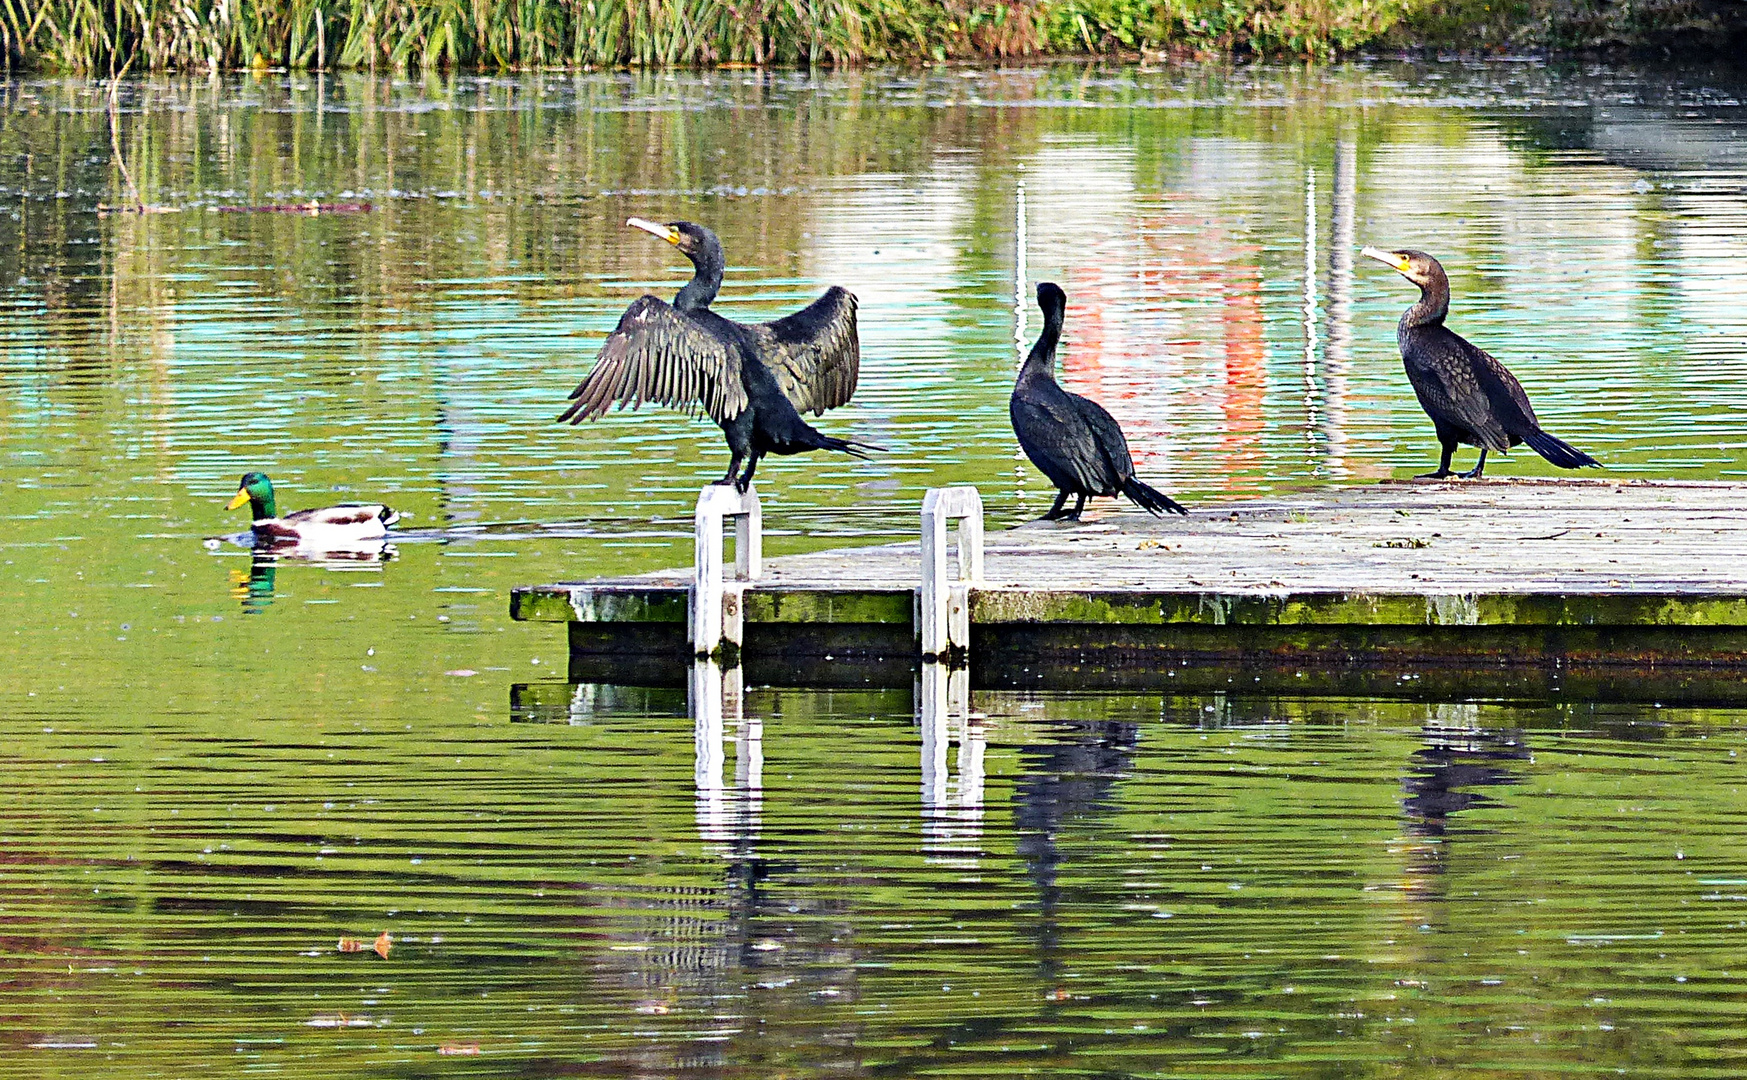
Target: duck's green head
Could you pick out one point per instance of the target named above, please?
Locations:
(257, 491)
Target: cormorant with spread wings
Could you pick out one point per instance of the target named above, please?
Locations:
(1469, 395)
(755, 381)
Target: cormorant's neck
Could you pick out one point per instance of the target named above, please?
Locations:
(705, 282)
(261, 508)
(1040, 362)
(1434, 304)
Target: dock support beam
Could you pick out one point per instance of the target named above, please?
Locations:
(716, 615)
(945, 616)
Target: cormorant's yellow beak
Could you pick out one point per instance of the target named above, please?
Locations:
(1395, 260)
(241, 497)
(669, 234)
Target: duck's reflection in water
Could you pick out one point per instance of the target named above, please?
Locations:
(952, 810)
(1068, 779)
(257, 589)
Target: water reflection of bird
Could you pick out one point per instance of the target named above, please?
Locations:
(339, 526)
(1071, 439)
(753, 380)
(255, 589)
(1469, 395)
(1449, 766)
(258, 588)
(1066, 780)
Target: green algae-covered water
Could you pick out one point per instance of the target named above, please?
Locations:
(216, 769)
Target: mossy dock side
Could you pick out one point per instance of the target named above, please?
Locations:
(1537, 585)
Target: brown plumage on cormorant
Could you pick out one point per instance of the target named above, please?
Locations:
(1071, 439)
(755, 381)
(1469, 395)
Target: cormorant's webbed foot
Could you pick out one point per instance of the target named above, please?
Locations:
(1054, 513)
(1439, 475)
(1079, 505)
(1480, 467)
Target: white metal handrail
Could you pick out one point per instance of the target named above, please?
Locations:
(716, 611)
(945, 603)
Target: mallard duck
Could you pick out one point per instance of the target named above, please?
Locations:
(343, 524)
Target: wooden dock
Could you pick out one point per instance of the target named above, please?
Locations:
(1588, 588)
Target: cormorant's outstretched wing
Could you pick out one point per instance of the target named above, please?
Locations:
(815, 353)
(657, 354)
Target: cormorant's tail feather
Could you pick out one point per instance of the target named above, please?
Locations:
(1557, 451)
(1150, 499)
(853, 447)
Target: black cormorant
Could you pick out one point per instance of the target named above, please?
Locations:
(1071, 439)
(755, 381)
(1469, 395)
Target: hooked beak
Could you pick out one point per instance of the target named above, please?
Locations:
(1394, 260)
(241, 497)
(665, 232)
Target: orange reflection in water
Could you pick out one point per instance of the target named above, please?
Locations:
(1164, 329)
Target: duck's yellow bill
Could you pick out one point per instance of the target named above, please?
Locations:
(238, 499)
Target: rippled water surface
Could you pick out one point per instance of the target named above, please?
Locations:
(216, 769)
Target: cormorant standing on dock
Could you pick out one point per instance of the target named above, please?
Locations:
(1071, 439)
(1469, 395)
(755, 381)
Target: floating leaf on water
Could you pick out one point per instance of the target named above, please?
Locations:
(380, 946)
(462, 672)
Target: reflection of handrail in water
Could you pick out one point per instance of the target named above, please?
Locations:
(725, 816)
(1246, 380)
(952, 820)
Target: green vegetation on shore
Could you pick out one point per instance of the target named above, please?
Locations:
(101, 36)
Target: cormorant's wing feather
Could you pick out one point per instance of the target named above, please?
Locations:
(1060, 437)
(815, 353)
(658, 354)
(1118, 464)
(1453, 380)
(1509, 404)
